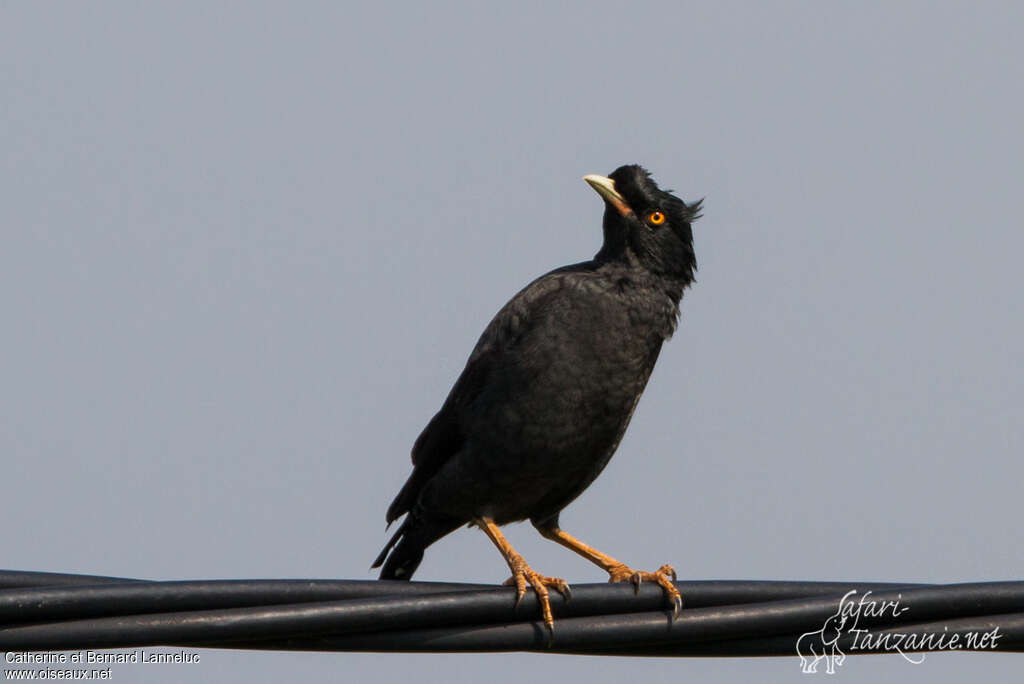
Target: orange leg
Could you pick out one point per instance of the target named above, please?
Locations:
(522, 573)
(618, 571)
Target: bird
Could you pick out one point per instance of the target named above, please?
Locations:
(549, 390)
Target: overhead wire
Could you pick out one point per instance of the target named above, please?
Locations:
(55, 612)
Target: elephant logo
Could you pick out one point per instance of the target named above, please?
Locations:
(823, 644)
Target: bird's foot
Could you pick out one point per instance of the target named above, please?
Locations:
(663, 577)
(523, 574)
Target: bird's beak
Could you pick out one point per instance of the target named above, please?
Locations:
(605, 187)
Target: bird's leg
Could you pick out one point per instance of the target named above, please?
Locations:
(618, 571)
(522, 573)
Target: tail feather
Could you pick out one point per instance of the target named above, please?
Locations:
(404, 551)
(387, 548)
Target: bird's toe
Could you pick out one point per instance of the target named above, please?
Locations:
(663, 577)
(524, 575)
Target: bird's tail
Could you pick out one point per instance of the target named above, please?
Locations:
(404, 551)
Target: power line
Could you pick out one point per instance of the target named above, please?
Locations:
(51, 612)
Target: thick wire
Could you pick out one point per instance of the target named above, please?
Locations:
(55, 612)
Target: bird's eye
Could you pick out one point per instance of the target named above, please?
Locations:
(655, 218)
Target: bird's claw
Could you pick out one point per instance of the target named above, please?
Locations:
(540, 583)
(519, 582)
(663, 577)
(677, 606)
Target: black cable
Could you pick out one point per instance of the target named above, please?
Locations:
(11, 579)
(715, 630)
(134, 597)
(48, 612)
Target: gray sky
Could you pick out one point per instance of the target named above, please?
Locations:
(248, 247)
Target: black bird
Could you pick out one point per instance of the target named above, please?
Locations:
(549, 390)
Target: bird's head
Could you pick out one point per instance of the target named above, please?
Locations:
(646, 224)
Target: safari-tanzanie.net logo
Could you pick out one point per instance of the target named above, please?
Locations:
(824, 644)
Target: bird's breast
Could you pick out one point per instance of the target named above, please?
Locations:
(571, 388)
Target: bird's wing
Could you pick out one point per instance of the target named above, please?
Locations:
(443, 435)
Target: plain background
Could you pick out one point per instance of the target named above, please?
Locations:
(248, 247)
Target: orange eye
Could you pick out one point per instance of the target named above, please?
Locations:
(655, 218)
